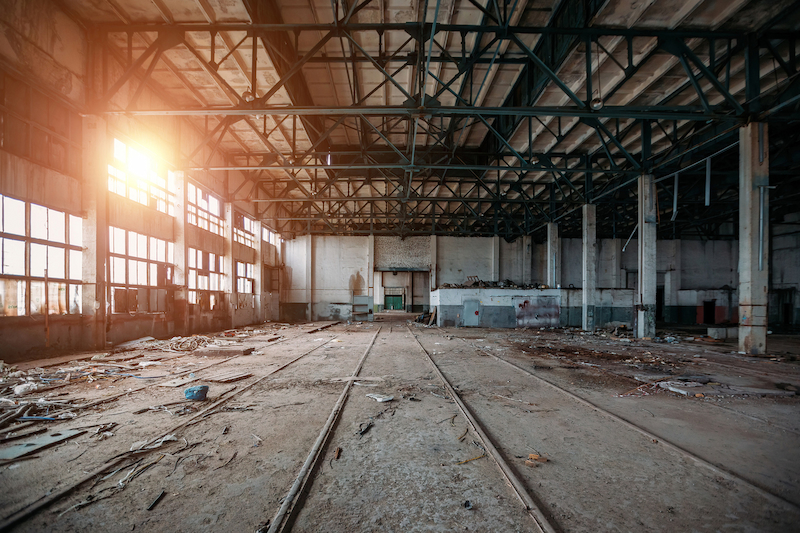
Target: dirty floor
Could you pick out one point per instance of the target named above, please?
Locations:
(604, 433)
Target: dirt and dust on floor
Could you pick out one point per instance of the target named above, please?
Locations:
(397, 425)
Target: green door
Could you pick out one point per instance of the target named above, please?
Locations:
(393, 302)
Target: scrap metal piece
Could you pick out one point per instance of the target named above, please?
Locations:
(39, 443)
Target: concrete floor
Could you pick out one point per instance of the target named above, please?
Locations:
(230, 469)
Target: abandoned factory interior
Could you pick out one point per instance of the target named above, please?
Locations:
(400, 265)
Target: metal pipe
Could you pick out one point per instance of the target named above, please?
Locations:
(631, 237)
(708, 181)
(675, 199)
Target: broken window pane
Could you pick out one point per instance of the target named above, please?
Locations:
(37, 297)
(57, 298)
(120, 300)
(13, 216)
(12, 297)
(13, 257)
(117, 241)
(75, 299)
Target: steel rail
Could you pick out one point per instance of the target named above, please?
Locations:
(538, 516)
(285, 513)
(719, 470)
(29, 509)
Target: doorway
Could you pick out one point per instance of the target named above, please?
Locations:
(659, 304)
(709, 311)
(391, 303)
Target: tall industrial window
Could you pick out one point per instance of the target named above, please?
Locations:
(136, 176)
(203, 210)
(41, 267)
(140, 272)
(244, 230)
(244, 278)
(205, 279)
(270, 236)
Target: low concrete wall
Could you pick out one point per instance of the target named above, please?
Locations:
(509, 308)
(23, 338)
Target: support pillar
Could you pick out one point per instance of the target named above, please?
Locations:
(672, 283)
(589, 284)
(179, 275)
(258, 275)
(309, 277)
(229, 264)
(434, 276)
(495, 258)
(527, 260)
(753, 237)
(646, 295)
(371, 271)
(553, 256)
(95, 300)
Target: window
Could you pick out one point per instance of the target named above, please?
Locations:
(244, 230)
(140, 270)
(136, 176)
(270, 236)
(244, 278)
(205, 281)
(203, 210)
(40, 267)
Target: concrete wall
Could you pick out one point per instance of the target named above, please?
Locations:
(459, 257)
(394, 253)
(339, 272)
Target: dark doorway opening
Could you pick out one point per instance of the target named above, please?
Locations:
(709, 310)
(659, 303)
(787, 313)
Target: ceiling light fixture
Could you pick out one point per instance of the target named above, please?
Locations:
(248, 96)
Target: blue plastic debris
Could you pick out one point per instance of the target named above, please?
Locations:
(197, 393)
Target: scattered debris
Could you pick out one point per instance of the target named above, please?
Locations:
(380, 397)
(155, 502)
(39, 443)
(468, 505)
(197, 393)
(362, 429)
(257, 440)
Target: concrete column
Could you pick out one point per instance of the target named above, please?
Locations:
(434, 276)
(646, 295)
(371, 268)
(553, 256)
(672, 283)
(753, 237)
(228, 263)
(589, 265)
(618, 280)
(495, 258)
(309, 277)
(527, 260)
(94, 304)
(258, 273)
(179, 275)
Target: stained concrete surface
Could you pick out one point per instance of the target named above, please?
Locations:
(403, 473)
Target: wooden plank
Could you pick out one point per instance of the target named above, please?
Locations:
(177, 382)
(433, 316)
(228, 377)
